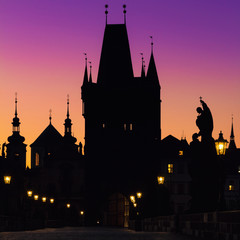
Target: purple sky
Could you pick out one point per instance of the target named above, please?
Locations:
(196, 48)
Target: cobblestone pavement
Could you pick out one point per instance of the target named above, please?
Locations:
(69, 233)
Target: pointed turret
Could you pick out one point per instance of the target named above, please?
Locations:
(16, 123)
(16, 148)
(115, 66)
(90, 75)
(85, 78)
(68, 126)
(16, 127)
(143, 67)
(68, 122)
(152, 70)
(232, 144)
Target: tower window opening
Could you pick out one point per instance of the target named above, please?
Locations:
(230, 187)
(68, 130)
(131, 127)
(37, 159)
(103, 125)
(180, 153)
(170, 168)
(125, 127)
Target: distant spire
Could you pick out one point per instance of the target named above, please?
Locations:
(106, 12)
(67, 106)
(151, 44)
(90, 75)
(16, 104)
(50, 116)
(232, 134)
(232, 144)
(16, 121)
(124, 12)
(143, 66)
(85, 79)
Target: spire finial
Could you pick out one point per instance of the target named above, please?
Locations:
(50, 116)
(151, 44)
(85, 54)
(106, 12)
(90, 75)
(85, 78)
(68, 106)
(16, 104)
(124, 12)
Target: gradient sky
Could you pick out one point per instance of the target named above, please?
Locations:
(196, 49)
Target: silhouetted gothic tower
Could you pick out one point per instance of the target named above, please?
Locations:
(122, 112)
(16, 148)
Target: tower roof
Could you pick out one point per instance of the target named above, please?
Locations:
(232, 144)
(50, 136)
(152, 71)
(115, 66)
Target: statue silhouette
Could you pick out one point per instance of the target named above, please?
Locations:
(204, 122)
(204, 165)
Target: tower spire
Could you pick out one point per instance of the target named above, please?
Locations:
(143, 66)
(16, 104)
(106, 12)
(90, 75)
(50, 116)
(151, 44)
(16, 121)
(232, 144)
(67, 106)
(85, 79)
(124, 12)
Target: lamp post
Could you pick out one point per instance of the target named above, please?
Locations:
(136, 201)
(7, 181)
(221, 144)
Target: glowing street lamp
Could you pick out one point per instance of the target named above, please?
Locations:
(139, 194)
(221, 144)
(68, 205)
(132, 198)
(44, 199)
(51, 200)
(82, 212)
(7, 179)
(160, 180)
(35, 197)
(29, 193)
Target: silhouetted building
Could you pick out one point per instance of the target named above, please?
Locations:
(58, 172)
(122, 122)
(174, 164)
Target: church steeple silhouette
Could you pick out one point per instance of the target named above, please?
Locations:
(16, 149)
(68, 126)
(232, 144)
